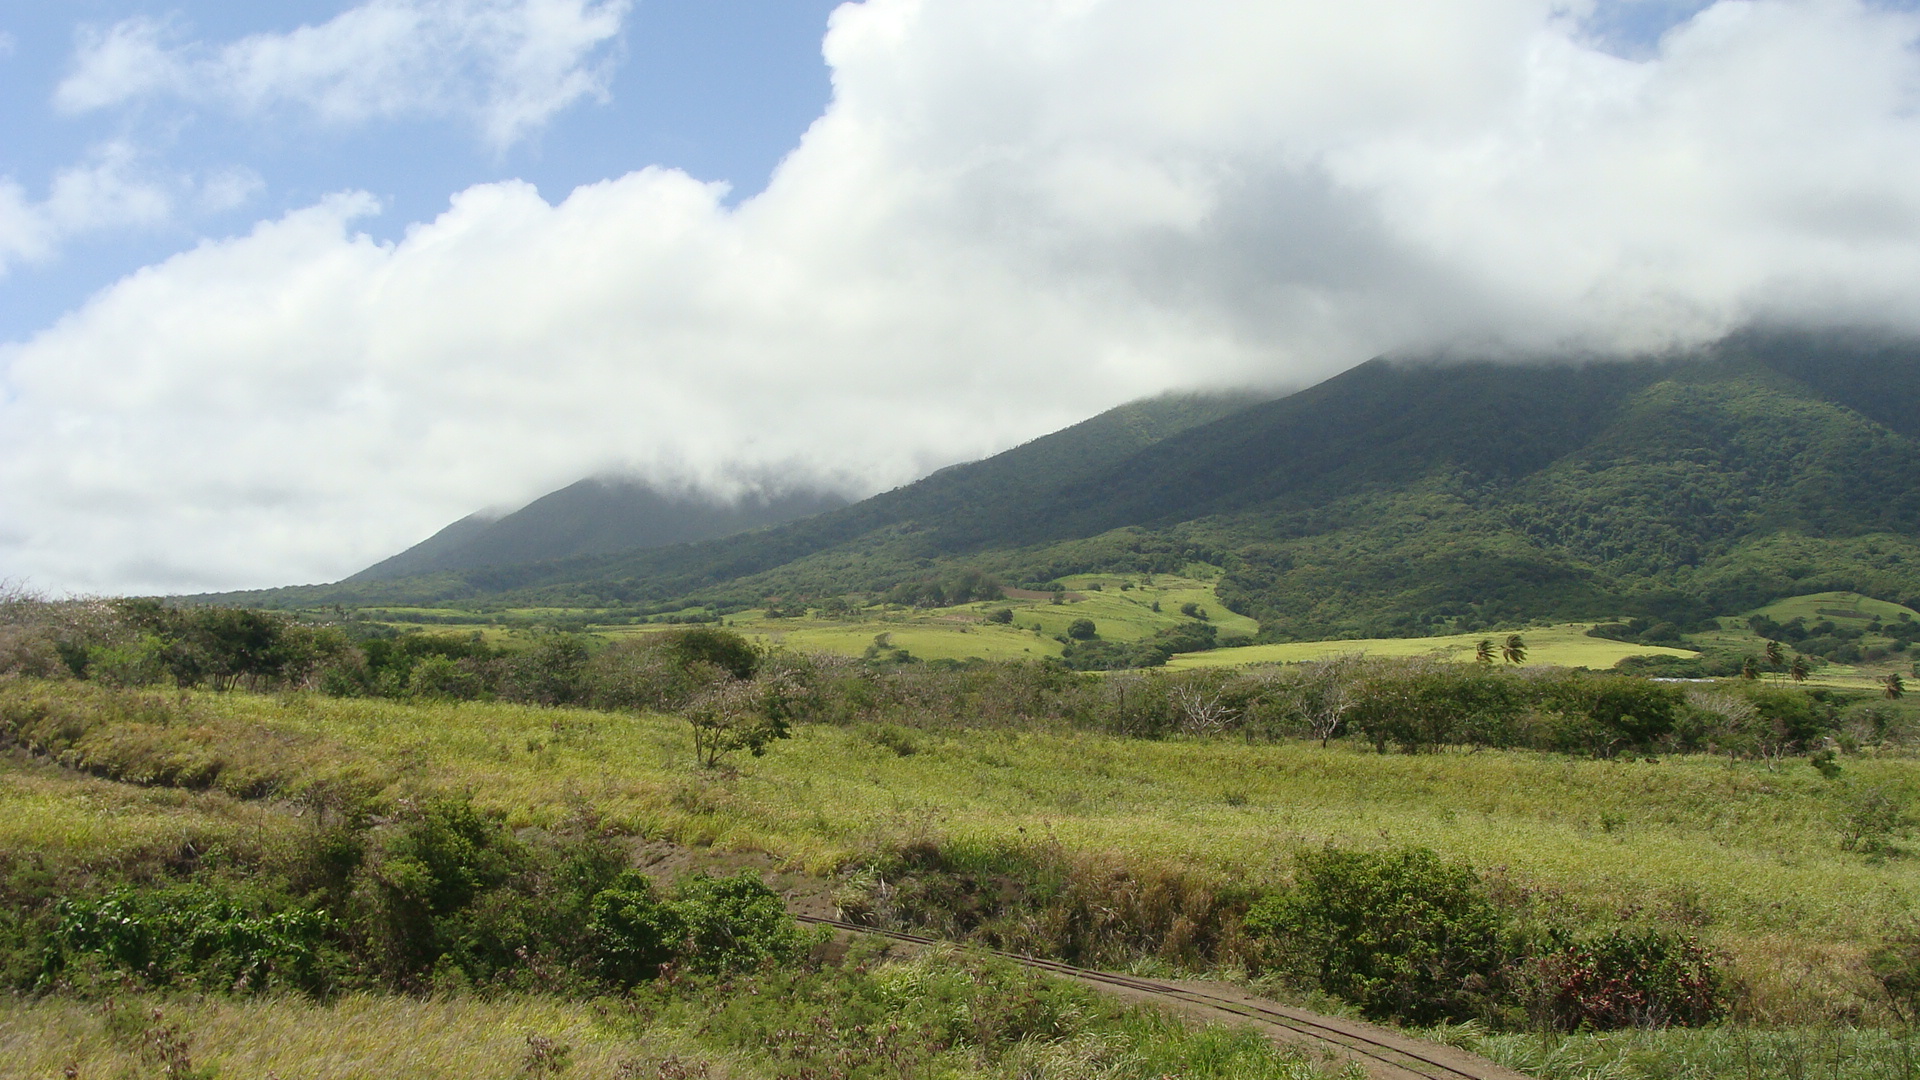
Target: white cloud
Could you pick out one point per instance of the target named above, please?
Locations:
(506, 65)
(107, 192)
(114, 189)
(1014, 212)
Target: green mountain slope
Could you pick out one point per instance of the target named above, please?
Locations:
(1394, 499)
(592, 517)
(961, 508)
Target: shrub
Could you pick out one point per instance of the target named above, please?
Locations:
(1400, 934)
(420, 881)
(1423, 706)
(724, 649)
(633, 931)
(736, 716)
(1082, 630)
(734, 923)
(1645, 977)
(1896, 967)
(192, 936)
(1871, 818)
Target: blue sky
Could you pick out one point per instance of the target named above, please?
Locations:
(720, 88)
(285, 288)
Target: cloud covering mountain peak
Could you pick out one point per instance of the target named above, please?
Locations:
(1013, 213)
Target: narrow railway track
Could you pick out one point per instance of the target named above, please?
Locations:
(1385, 1054)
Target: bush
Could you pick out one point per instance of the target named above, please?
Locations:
(1424, 706)
(1625, 978)
(1871, 818)
(723, 649)
(734, 923)
(1401, 934)
(1082, 630)
(191, 936)
(633, 931)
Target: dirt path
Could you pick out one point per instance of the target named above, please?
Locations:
(1384, 1053)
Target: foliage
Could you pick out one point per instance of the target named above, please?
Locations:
(192, 936)
(1871, 818)
(1401, 934)
(736, 716)
(633, 931)
(733, 923)
(1633, 977)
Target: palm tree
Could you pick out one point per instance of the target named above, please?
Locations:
(1896, 687)
(1483, 652)
(1515, 650)
(1798, 672)
(1750, 669)
(1775, 656)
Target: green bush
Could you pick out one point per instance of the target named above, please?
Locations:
(633, 931)
(1401, 934)
(192, 936)
(724, 649)
(734, 923)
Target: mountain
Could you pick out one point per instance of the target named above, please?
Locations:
(1401, 497)
(593, 517)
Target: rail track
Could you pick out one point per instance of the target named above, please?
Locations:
(1383, 1053)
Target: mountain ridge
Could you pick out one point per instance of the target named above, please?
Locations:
(1400, 497)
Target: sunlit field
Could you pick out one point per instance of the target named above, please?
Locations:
(1563, 645)
(1750, 854)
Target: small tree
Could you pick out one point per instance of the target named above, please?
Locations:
(1749, 669)
(1798, 672)
(1515, 650)
(1082, 630)
(1483, 653)
(1776, 657)
(732, 717)
(1894, 686)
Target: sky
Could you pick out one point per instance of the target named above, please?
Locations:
(285, 288)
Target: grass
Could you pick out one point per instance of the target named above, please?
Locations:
(66, 819)
(1565, 645)
(1844, 608)
(1834, 1053)
(937, 1015)
(1120, 606)
(1749, 854)
(356, 1037)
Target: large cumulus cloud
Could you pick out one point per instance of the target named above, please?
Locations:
(1013, 213)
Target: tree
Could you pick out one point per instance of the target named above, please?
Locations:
(1483, 653)
(1515, 650)
(733, 717)
(1776, 657)
(1749, 668)
(1798, 672)
(1896, 687)
(1082, 630)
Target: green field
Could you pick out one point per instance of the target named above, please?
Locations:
(1120, 606)
(1753, 850)
(1564, 645)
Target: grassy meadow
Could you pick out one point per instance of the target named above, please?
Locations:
(1563, 645)
(1748, 853)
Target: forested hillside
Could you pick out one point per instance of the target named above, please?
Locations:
(1401, 497)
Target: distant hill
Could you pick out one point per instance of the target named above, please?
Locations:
(1399, 498)
(592, 517)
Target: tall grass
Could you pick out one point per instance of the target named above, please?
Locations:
(1832, 1053)
(934, 1016)
(1747, 854)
